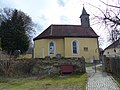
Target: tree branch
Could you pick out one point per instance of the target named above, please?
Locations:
(109, 4)
(114, 21)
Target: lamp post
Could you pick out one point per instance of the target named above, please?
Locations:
(94, 61)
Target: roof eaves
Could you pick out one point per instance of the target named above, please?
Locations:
(56, 37)
(114, 44)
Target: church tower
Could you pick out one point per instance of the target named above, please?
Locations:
(85, 18)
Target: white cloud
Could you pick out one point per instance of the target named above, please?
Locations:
(62, 2)
(65, 19)
(5, 3)
(46, 12)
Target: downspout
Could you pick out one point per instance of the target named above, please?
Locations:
(98, 49)
(43, 55)
(33, 51)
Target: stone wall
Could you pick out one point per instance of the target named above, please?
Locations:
(40, 67)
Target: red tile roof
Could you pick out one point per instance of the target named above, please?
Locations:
(61, 31)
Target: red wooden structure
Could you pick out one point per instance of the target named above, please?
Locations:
(66, 69)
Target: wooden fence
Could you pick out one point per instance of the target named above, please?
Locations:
(112, 65)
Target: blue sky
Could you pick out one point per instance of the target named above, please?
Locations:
(47, 12)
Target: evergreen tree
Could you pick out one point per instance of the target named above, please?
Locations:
(15, 30)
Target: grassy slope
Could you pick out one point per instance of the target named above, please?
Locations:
(73, 82)
(117, 79)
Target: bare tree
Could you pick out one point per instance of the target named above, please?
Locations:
(109, 16)
(112, 18)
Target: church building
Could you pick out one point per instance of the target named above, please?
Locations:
(68, 41)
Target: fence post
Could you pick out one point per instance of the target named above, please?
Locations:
(82, 59)
(104, 64)
(94, 63)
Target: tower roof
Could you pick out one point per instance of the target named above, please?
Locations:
(84, 18)
(84, 12)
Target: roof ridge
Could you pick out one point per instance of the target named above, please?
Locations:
(64, 25)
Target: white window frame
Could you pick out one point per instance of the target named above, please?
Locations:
(54, 48)
(77, 43)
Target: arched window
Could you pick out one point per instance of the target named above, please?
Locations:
(74, 47)
(51, 48)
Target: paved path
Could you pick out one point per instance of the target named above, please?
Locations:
(100, 81)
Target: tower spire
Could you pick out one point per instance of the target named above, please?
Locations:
(85, 18)
(84, 11)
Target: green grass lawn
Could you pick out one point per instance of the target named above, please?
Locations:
(72, 82)
(88, 64)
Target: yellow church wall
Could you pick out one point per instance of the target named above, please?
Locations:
(64, 47)
(41, 47)
(89, 55)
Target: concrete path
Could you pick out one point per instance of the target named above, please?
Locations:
(100, 80)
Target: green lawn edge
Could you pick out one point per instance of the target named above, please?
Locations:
(77, 82)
